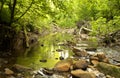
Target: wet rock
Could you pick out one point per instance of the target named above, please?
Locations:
(79, 52)
(76, 49)
(82, 74)
(43, 60)
(105, 60)
(90, 49)
(63, 65)
(61, 58)
(61, 44)
(10, 77)
(39, 72)
(8, 71)
(118, 64)
(94, 58)
(81, 64)
(109, 69)
(70, 43)
(84, 36)
(57, 76)
(20, 75)
(94, 62)
(101, 56)
(117, 60)
(96, 72)
(59, 50)
(108, 76)
(48, 71)
(82, 45)
(20, 68)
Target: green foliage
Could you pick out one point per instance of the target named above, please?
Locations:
(103, 15)
(102, 27)
(5, 15)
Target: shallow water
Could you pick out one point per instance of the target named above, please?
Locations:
(51, 47)
(47, 50)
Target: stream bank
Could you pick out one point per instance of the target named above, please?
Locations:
(61, 55)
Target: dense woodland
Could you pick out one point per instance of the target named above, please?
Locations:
(102, 17)
(24, 22)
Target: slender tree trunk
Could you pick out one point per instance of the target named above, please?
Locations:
(1, 8)
(12, 12)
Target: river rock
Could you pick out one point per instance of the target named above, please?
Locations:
(94, 58)
(100, 56)
(81, 64)
(63, 65)
(76, 49)
(94, 62)
(96, 72)
(79, 52)
(70, 43)
(118, 64)
(82, 74)
(21, 68)
(105, 60)
(8, 71)
(91, 49)
(84, 36)
(47, 71)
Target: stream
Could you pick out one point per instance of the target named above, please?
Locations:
(57, 46)
(49, 50)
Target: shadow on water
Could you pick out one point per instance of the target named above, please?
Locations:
(47, 52)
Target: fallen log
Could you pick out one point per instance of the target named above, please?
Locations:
(109, 69)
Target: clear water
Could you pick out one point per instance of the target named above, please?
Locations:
(46, 49)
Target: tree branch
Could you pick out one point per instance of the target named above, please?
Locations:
(25, 11)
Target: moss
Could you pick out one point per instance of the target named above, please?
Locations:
(109, 69)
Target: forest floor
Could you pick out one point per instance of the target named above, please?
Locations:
(85, 63)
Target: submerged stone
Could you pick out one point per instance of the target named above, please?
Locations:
(43, 60)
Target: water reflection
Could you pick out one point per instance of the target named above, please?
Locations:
(47, 54)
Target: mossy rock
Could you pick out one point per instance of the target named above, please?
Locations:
(109, 69)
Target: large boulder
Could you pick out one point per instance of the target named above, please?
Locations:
(63, 66)
(81, 64)
(82, 74)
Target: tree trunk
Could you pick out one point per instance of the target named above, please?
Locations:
(12, 12)
(1, 7)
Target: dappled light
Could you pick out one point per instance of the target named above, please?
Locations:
(59, 38)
